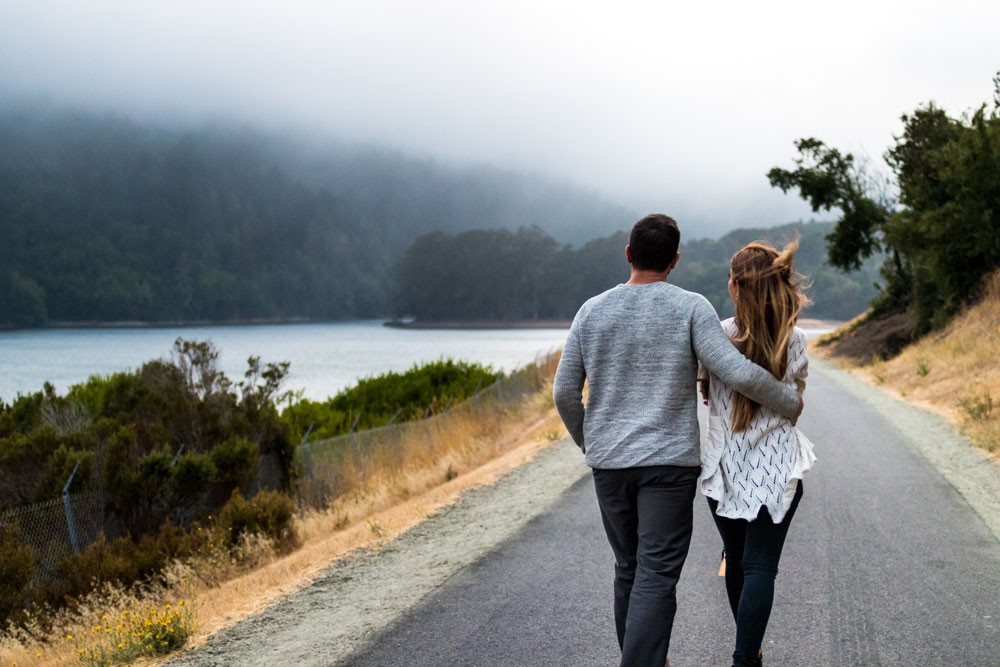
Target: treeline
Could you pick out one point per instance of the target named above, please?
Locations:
(501, 275)
(936, 221)
(103, 219)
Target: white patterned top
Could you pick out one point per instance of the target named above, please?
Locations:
(760, 466)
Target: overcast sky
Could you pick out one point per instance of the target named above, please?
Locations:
(679, 107)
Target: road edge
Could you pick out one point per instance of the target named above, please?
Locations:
(971, 471)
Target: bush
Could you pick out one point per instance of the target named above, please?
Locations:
(59, 467)
(18, 566)
(268, 513)
(193, 475)
(391, 397)
(121, 561)
(235, 461)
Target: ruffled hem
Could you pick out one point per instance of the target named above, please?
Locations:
(712, 481)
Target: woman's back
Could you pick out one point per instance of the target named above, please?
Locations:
(760, 465)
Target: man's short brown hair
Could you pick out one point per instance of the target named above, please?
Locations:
(654, 241)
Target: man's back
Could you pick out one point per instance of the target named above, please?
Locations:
(633, 344)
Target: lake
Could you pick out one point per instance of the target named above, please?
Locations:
(325, 357)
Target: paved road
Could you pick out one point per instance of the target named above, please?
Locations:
(885, 564)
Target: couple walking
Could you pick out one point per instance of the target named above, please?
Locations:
(643, 347)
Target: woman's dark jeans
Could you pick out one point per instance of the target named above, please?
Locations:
(753, 549)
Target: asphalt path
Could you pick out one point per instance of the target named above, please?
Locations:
(886, 563)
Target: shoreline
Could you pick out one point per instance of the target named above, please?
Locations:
(479, 324)
(391, 323)
(175, 324)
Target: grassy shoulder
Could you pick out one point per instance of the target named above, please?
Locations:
(954, 372)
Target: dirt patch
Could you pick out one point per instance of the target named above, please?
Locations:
(883, 338)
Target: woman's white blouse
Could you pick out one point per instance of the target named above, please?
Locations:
(760, 466)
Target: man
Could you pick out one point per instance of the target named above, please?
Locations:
(638, 346)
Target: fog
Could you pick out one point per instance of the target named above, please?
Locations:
(673, 107)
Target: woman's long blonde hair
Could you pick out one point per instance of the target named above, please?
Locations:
(768, 302)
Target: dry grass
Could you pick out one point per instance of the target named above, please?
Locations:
(71, 636)
(955, 372)
(388, 482)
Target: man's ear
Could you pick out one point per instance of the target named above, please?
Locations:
(674, 263)
(628, 254)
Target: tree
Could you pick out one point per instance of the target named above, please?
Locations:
(829, 179)
(943, 237)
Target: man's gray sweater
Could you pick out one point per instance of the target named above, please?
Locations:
(638, 347)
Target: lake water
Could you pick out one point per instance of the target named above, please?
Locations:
(325, 357)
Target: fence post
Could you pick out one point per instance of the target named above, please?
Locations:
(308, 463)
(355, 424)
(71, 525)
(393, 418)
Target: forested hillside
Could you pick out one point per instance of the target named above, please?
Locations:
(526, 275)
(104, 219)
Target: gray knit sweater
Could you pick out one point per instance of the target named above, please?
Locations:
(638, 346)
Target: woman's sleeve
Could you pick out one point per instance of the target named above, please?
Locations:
(798, 359)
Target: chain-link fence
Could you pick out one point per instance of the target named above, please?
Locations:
(336, 467)
(56, 528)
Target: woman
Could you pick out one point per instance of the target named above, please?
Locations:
(753, 459)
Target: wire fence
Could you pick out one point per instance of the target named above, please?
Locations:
(336, 467)
(327, 469)
(57, 528)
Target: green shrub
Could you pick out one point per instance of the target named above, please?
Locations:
(121, 561)
(391, 397)
(193, 474)
(235, 461)
(60, 465)
(18, 566)
(269, 513)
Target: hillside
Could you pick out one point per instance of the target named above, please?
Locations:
(955, 371)
(105, 219)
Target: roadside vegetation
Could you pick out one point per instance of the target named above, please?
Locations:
(201, 481)
(389, 398)
(954, 371)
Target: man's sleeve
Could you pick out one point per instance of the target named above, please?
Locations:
(567, 389)
(714, 349)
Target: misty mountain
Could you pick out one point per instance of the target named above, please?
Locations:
(106, 219)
